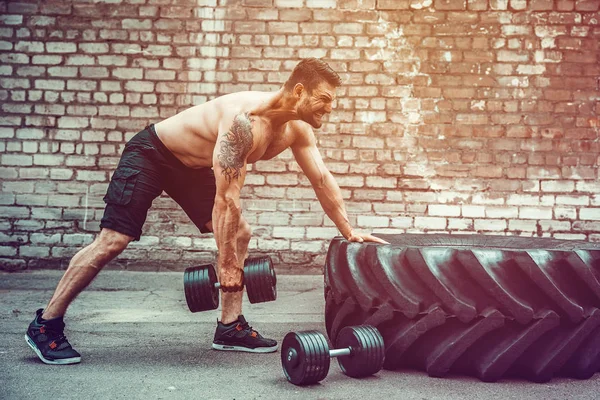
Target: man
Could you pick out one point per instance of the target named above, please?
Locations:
(176, 155)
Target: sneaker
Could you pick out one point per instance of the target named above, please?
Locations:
(239, 336)
(47, 339)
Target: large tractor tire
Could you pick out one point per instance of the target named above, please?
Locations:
(487, 306)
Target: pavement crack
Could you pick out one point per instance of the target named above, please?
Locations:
(151, 293)
(299, 292)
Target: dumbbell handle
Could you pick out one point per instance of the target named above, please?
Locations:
(340, 352)
(293, 355)
(218, 285)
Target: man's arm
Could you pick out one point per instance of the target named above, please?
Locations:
(229, 164)
(326, 188)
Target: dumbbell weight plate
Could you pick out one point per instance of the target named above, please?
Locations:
(368, 350)
(305, 357)
(199, 287)
(260, 279)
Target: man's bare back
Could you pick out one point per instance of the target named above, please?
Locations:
(191, 135)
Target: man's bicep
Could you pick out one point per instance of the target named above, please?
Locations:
(231, 152)
(229, 173)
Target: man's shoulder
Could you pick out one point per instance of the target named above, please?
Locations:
(225, 108)
(228, 98)
(232, 104)
(245, 98)
(299, 127)
(301, 132)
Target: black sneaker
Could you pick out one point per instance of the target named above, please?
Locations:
(239, 336)
(47, 339)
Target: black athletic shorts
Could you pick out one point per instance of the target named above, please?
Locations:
(147, 168)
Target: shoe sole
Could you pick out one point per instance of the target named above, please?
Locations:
(224, 347)
(63, 361)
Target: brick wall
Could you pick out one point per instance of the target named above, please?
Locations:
(461, 116)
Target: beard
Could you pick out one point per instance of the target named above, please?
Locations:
(314, 122)
(308, 116)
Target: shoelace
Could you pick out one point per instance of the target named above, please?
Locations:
(246, 326)
(58, 336)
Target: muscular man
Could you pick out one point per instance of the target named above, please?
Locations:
(199, 157)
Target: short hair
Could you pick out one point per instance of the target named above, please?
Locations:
(311, 72)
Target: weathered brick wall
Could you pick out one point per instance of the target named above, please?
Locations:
(461, 116)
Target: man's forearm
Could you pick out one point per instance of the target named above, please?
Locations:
(226, 222)
(330, 197)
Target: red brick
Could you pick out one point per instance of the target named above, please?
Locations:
(541, 5)
(298, 15)
(478, 56)
(393, 4)
(450, 4)
(577, 57)
(249, 27)
(587, 5)
(257, 3)
(452, 29)
(176, 12)
(55, 7)
(565, 5)
(283, 27)
(456, 93)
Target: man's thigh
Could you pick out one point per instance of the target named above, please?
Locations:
(135, 183)
(194, 190)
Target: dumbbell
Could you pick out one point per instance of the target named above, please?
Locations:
(305, 356)
(201, 286)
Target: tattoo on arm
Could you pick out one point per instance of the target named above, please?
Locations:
(235, 146)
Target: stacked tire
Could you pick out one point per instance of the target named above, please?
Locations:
(487, 306)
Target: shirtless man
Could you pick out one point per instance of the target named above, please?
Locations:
(176, 155)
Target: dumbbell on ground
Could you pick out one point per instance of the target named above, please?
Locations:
(305, 356)
(201, 286)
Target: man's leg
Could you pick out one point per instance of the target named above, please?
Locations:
(45, 334)
(233, 331)
(197, 200)
(83, 268)
(232, 302)
(135, 183)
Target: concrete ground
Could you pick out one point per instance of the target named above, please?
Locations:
(139, 341)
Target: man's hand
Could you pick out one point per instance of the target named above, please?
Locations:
(354, 236)
(231, 279)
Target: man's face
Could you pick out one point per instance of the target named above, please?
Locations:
(313, 106)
